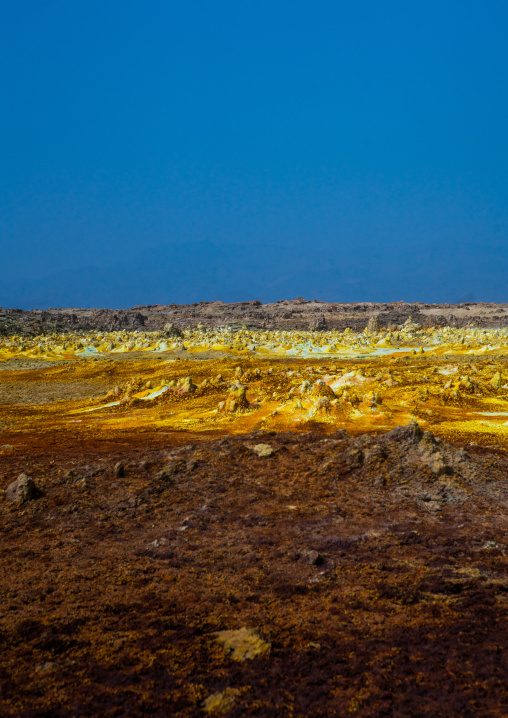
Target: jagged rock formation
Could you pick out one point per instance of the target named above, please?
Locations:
(285, 314)
(171, 330)
(373, 325)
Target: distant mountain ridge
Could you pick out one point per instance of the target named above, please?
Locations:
(294, 314)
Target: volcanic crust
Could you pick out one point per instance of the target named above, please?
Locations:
(285, 314)
(374, 568)
(194, 531)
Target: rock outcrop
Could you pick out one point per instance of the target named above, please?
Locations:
(21, 490)
(297, 314)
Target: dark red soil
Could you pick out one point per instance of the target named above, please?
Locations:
(375, 567)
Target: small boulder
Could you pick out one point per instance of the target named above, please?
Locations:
(171, 330)
(318, 325)
(263, 450)
(187, 386)
(237, 398)
(21, 490)
(496, 380)
(322, 389)
(220, 702)
(409, 433)
(436, 462)
(242, 644)
(169, 470)
(313, 558)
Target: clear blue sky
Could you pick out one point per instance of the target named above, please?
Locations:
(165, 151)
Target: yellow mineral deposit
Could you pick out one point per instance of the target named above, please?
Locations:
(452, 381)
(243, 644)
(221, 702)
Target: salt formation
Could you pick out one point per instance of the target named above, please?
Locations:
(410, 337)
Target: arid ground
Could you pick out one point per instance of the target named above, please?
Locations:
(257, 522)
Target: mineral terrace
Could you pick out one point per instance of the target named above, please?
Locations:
(295, 509)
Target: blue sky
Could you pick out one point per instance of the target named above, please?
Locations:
(165, 151)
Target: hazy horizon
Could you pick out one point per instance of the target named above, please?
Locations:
(177, 152)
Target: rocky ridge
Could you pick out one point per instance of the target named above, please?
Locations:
(298, 314)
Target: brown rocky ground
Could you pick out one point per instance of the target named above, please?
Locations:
(368, 571)
(285, 315)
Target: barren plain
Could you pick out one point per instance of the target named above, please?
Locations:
(268, 510)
